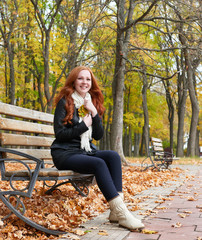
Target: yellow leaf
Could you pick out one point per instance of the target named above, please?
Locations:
(103, 233)
(147, 231)
(188, 212)
(182, 215)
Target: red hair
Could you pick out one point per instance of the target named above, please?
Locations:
(68, 89)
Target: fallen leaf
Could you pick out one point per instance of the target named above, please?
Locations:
(103, 233)
(158, 201)
(190, 198)
(147, 231)
(94, 228)
(1, 223)
(79, 232)
(177, 225)
(182, 215)
(18, 234)
(161, 208)
(188, 212)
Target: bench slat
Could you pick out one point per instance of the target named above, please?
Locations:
(17, 125)
(156, 140)
(16, 111)
(25, 140)
(157, 144)
(44, 172)
(157, 148)
(38, 153)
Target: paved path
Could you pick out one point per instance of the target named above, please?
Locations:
(179, 218)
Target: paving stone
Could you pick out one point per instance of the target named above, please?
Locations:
(177, 236)
(140, 236)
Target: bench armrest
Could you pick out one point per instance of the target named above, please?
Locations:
(168, 154)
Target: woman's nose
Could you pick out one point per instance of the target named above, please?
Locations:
(84, 80)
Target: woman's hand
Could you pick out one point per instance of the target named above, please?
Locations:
(88, 120)
(90, 107)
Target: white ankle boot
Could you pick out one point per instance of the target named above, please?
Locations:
(112, 216)
(124, 216)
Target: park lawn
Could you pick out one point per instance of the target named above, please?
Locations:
(66, 210)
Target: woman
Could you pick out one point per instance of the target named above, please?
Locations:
(77, 121)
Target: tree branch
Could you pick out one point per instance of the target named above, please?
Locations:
(152, 75)
(140, 18)
(163, 50)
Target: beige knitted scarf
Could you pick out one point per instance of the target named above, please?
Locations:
(86, 136)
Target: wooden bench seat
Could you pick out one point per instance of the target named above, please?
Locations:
(43, 172)
(25, 139)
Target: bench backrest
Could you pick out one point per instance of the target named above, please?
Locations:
(26, 130)
(157, 146)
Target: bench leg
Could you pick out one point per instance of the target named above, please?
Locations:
(80, 185)
(147, 163)
(25, 219)
(164, 163)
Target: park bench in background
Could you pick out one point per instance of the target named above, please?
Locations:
(158, 157)
(25, 139)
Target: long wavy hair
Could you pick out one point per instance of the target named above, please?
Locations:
(68, 89)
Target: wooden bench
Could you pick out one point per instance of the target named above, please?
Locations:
(25, 139)
(158, 157)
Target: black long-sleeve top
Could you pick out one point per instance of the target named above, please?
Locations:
(68, 136)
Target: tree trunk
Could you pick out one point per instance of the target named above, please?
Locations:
(137, 138)
(122, 41)
(130, 142)
(10, 49)
(195, 107)
(146, 114)
(197, 143)
(170, 111)
(182, 97)
(46, 73)
(5, 74)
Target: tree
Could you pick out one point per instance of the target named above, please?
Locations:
(186, 37)
(9, 13)
(46, 27)
(122, 40)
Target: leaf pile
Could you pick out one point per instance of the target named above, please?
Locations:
(66, 209)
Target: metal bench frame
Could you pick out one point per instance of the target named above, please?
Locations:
(37, 173)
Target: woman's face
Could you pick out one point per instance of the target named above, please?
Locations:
(83, 82)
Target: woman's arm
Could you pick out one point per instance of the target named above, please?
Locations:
(98, 129)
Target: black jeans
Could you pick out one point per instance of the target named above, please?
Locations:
(105, 165)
